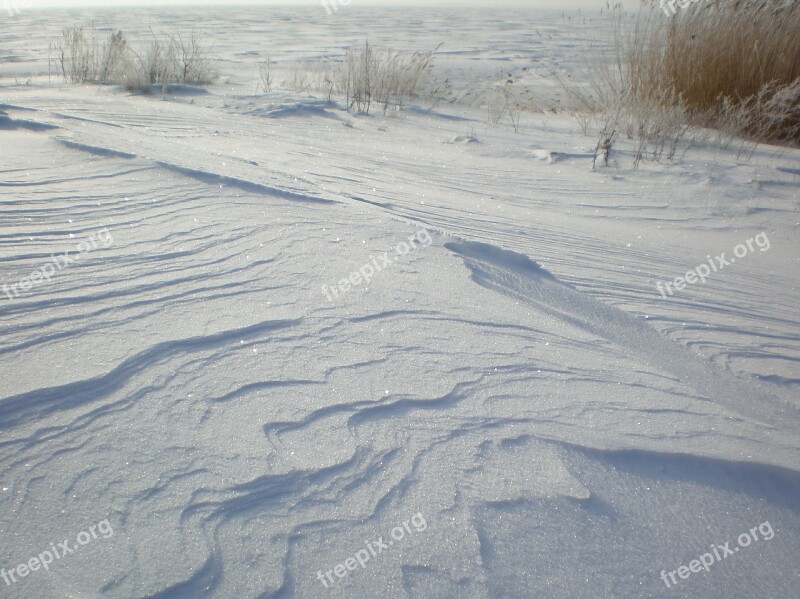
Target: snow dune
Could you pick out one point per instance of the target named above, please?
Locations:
(519, 384)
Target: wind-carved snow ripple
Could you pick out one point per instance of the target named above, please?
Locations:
(518, 276)
(40, 403)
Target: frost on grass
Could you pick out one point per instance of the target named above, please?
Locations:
(81, 57)
(664, 82)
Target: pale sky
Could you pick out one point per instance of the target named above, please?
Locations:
(586, 4)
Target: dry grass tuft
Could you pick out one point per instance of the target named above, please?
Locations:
(368, 76)
(723, 55)
(82, 58)
(728, 65)
(384, 77)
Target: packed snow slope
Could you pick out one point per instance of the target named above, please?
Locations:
(499, 402)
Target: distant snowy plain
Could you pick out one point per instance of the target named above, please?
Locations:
(516, 397)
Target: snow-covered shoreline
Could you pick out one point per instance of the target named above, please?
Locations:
(565, 430)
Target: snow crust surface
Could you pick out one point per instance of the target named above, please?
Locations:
(518, 383)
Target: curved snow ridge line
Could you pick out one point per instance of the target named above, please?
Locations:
(72, 117)
(777, 485)
(95, 150)
(4, 107)
(317, 108)
(200, 583)
(9, 124)
(261, 386)
(361, 412)
(278, 493)
(288, 499)
(517, 276)
(243, 184)
(41, 403)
